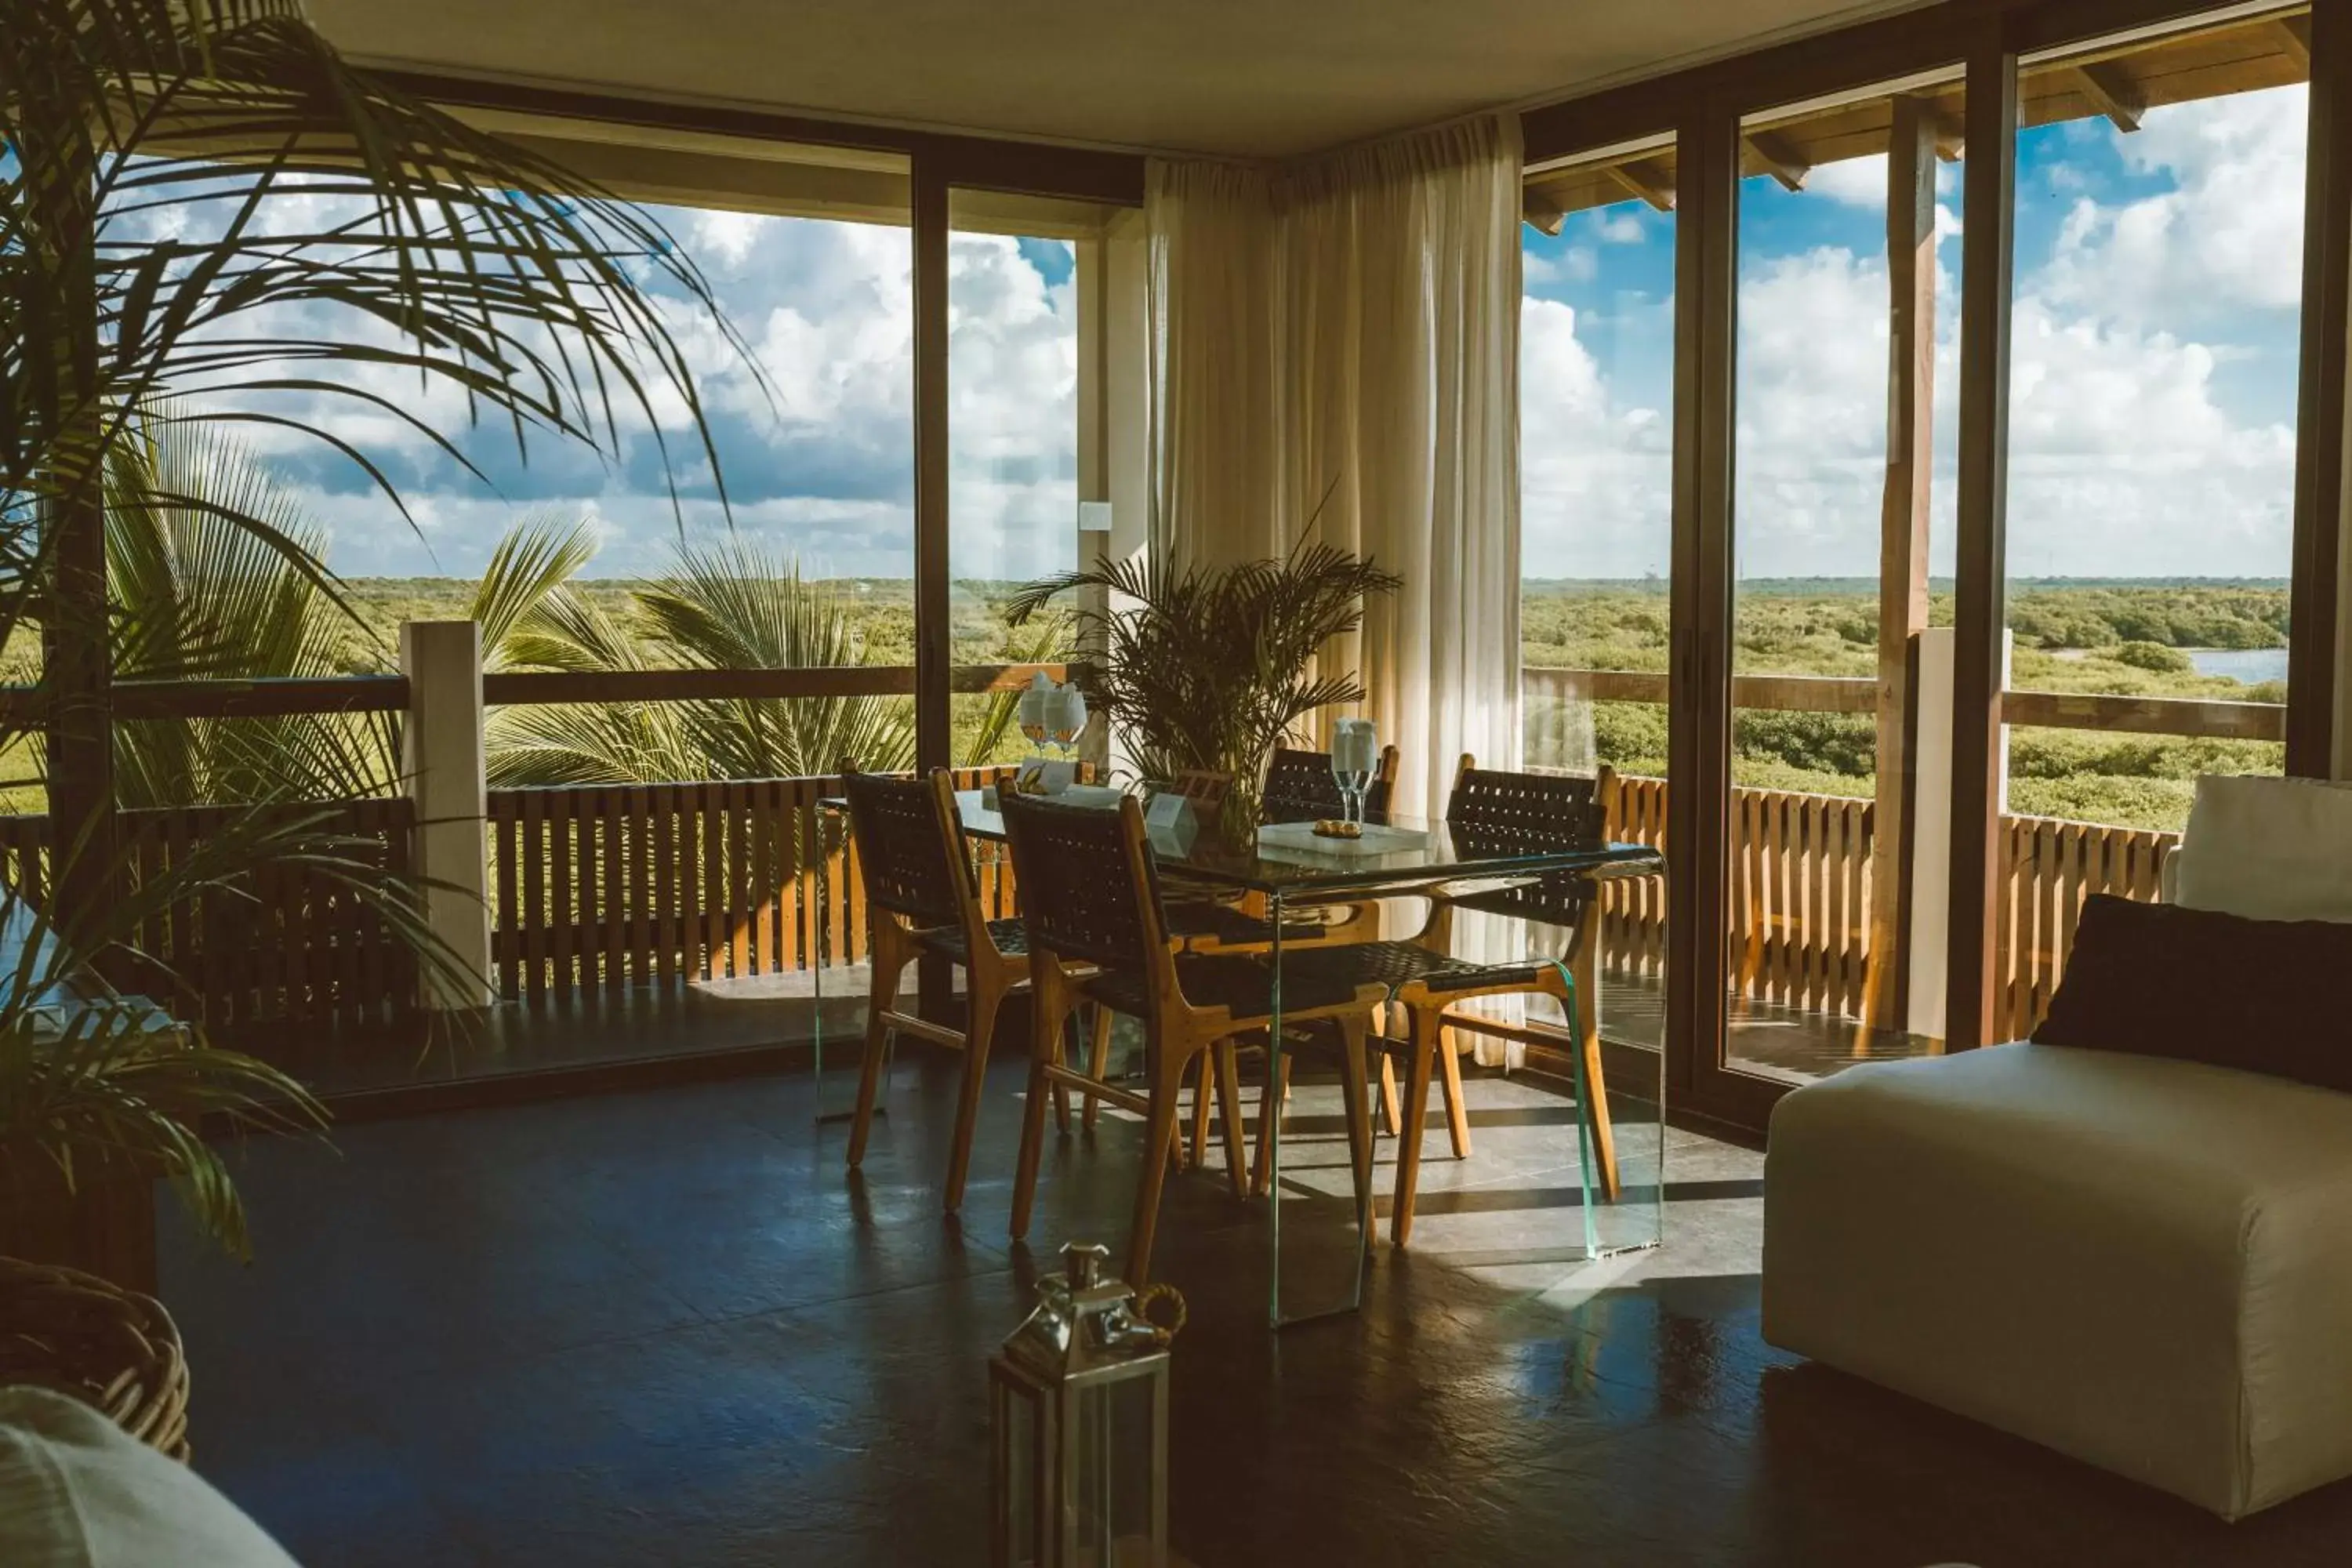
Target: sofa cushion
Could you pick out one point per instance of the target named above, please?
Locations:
(2268, 849)
(76, 1491)
(2136, 1261)
(2269, 996)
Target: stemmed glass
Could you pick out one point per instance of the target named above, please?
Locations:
(1355, 750)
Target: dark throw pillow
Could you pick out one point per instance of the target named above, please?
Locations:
(2156, 980)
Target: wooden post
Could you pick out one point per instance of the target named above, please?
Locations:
(2319, 619)
(933, 733)
(443, 765)
(1902, 534)
(934, 714)
(1093, 283)
(1988, 269)
(1699, 717)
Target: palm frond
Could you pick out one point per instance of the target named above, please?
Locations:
(533, 560)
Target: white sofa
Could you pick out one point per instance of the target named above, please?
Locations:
(2144, 1263)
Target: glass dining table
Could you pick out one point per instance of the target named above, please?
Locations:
(1541, 1206)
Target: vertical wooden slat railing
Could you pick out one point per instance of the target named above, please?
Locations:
(617, 886)
(1800, 897)
(285, 939)
(2048, 868)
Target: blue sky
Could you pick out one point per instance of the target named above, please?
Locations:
(2155, 311)
(2153, 399)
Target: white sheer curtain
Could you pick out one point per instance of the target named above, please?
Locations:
(1349, 328)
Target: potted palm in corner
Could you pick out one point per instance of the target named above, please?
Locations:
(1212, 667)
(207, 218)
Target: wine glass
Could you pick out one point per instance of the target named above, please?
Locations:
(1353, 754)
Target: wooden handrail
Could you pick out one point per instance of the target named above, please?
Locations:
(2206, 718)
(2199, 717)
(281, 697)
(266, 698)
(551, 687)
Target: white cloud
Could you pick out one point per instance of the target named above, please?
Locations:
(1857, 181)
(1596, 497)
(1577, 264)
(1620, 228)
(2226, 235)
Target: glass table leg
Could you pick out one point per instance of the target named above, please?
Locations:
(1319, 1213)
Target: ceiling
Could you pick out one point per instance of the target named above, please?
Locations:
(1265, 78)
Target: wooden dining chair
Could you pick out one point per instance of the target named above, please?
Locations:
(922, 896)
(1488, 812)
(1299, 787)
(1090, 896)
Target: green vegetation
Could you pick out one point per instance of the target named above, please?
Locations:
(2127, 638)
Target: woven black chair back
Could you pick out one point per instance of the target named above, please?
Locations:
(1498, 812)
(1299, 788)
(1078, 892)
(901, 854)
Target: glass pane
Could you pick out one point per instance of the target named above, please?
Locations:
(1848, 280)
(2152, 443)
(1597, 521)
(1012, 485)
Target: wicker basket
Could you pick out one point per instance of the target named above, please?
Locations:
(115, 1349)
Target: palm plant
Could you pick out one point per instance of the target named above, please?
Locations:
(197, 597)
(207, 219)
(1211, 668)
(723, 604)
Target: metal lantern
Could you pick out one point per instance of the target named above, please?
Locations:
(1079, 1406)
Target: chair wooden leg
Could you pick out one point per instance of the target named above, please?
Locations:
(1199, 1155)
(1604, 1134)
(1048, 1009)
(1229, 1112)
(889, 967)
(1392, 1108)
(1062, 1108)
(1159, 1133)
(1418, 1072)
(983, 1000)
(1356, 1101)
(1457, 1115)
(1098, 1060)
(1270, 1100)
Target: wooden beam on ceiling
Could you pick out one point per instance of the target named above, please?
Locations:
(1540, 211)
(1951, 140)
(2293, 34)
(1641, 179)
(1781, 158)
(2112, 93)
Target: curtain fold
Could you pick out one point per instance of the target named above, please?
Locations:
(1335, 345)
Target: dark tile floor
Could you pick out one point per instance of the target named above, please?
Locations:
(666, 1328)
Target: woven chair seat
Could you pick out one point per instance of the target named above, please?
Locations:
(1243, 986)
(112, 1349)
(1397, 965)
(1010, 936)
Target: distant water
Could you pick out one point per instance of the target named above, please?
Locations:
(2249, 664)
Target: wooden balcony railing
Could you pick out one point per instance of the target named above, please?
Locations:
(612, 886)
(289, 940)
(1801, 897)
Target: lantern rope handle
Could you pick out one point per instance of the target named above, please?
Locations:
(1150, 1293)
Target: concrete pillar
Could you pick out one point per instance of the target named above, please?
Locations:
(1931, 829)
(443, 764)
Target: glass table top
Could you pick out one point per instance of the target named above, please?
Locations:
(1406, 851)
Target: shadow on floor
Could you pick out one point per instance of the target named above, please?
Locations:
(670, 1329)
